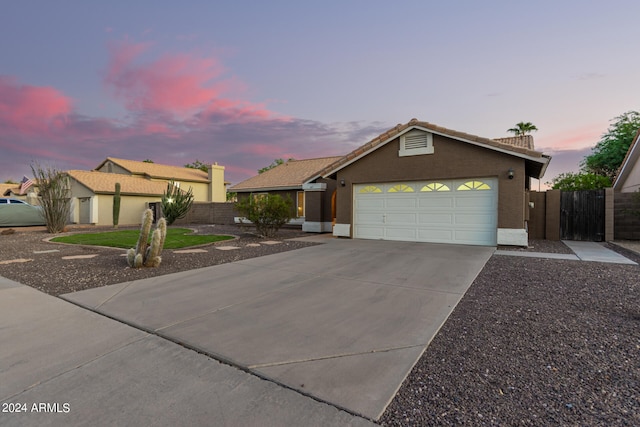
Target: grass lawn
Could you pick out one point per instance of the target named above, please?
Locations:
(176, 238)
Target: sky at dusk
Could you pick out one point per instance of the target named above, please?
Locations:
(242, 83)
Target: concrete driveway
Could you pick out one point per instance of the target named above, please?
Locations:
(343, 322)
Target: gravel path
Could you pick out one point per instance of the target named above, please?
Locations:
(533, 342)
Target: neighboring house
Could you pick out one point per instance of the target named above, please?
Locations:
(142, 185)
(288, 180)
(628, 177)
(92, 197)
(26, 191)
(207, 186)
(425, 183)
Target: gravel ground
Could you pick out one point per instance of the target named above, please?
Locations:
(48, 272)
(533, 342)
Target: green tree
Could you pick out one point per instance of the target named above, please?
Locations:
(10, 181)
(268, 212)
(176, 203)
(54, 192)
(570, 181)
(609, 152)
(197, 165)
(276, 162)
(523, 128)
(148, 161)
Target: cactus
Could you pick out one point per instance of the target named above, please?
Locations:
(116, 206)
(144, 254)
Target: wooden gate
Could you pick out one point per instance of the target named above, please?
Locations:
(582, 215)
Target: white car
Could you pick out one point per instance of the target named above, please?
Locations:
(17, 213)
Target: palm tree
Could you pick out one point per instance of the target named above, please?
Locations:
(523, 128)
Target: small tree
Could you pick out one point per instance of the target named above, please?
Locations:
(198, 165)
(176, 203)
(54, 193)
(570, 181)
(609, 153)
(116, 206)
(523, 128)
(268, 212)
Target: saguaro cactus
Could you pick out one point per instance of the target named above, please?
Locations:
(144, 254)
(116, 206)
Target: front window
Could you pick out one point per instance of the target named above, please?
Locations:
(300, 204)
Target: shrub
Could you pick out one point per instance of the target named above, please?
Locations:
(268, 212)
(176, 203)
(54, 192)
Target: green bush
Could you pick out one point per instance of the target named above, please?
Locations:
(268, 212)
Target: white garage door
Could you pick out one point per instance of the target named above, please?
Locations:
(447, 211)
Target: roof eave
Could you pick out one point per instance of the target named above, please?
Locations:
(266, 189)
(627, 164)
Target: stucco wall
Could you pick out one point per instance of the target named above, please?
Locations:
(451, 160)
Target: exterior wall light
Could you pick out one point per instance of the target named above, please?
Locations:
(510, 173)
(342, 183)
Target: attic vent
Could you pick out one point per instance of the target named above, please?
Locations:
(415, 143)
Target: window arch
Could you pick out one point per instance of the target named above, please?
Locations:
(435, 186)
(400, 188)
(474, 185)
(370, 189)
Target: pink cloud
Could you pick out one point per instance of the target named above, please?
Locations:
(32, 109)
(586, 136)
(181, 84)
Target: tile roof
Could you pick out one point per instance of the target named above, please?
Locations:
(516, 147)
(155, 170)
(524, 141)
(104, 183)
(291, 174)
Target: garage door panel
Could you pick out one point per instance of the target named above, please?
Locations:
(435, 202)
(401, 202)
(370, 203)
(370, 218)
(435, 218)
(478, 202)
(401, 218)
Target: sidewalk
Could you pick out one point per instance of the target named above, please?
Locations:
(81, 368)
(582, 251)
